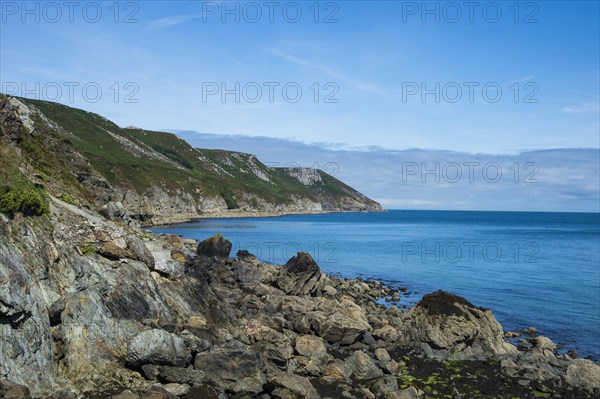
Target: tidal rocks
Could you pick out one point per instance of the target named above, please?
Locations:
(157, 347)
(300, 276)
(217, 246)
(444, 325)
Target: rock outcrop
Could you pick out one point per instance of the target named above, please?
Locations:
(79, 322)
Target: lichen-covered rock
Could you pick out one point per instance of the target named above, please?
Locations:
(217, 246)
(157, 347)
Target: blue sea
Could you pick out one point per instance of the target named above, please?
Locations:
(530, 268)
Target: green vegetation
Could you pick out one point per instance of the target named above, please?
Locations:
(68, 198)
(29, 201)
(143, 160)
(87, 248)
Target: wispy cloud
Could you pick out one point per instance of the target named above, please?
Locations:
(168, 22)
(357, 84)
(587, 107)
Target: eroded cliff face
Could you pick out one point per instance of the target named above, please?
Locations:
(91, 308)
(155, 177)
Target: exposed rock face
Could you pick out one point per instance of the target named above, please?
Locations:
(217, 246)
(448, 326)
(80, 323)
(300, 276)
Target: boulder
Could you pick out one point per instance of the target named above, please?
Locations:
(340, 322)
(444, 325)
(112, 251)
(300, 276)
(236, 370)
(583, 373)
(157, 347)
(140, 251)
(362, 366)
(299, 387)
(217, 246)
(311, 346)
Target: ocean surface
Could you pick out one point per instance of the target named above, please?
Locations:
(529, 268)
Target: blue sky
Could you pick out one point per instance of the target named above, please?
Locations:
(374, 60)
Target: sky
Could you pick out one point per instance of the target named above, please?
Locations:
(355, 82)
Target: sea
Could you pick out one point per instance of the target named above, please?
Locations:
(530, 268)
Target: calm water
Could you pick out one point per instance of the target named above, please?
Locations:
(531, 269)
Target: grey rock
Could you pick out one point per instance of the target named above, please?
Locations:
(157, 347)
(300, 387)
(444, 325)
(235, 370)
(340, 322)
(300, 276)
(362, 366)
(217, 246)
(584, 374)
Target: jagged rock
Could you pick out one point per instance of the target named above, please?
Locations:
(300, 276)
(157, 347)
(342, 322)
(217, 246)
(444, 325)
(235, 370)
(362, 366)
(300, 387)
(140, 251)
(162, 262)
(584, 374)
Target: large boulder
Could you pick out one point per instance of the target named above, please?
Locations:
(583, 373)
(238, 371)
(157, 347)
(293, 386)
(444, 325)
(340, 322)
(362, 366)
(300, 276)
(217, 246)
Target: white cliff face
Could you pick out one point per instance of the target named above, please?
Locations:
(306, 176)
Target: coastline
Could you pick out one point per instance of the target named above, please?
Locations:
(158, 221)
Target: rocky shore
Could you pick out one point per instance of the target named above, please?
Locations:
(90, 308)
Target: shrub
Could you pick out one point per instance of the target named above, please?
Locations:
(29, 201)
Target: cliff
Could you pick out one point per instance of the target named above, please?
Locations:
(155, 177)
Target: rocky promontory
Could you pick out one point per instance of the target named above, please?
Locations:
(90, 308)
